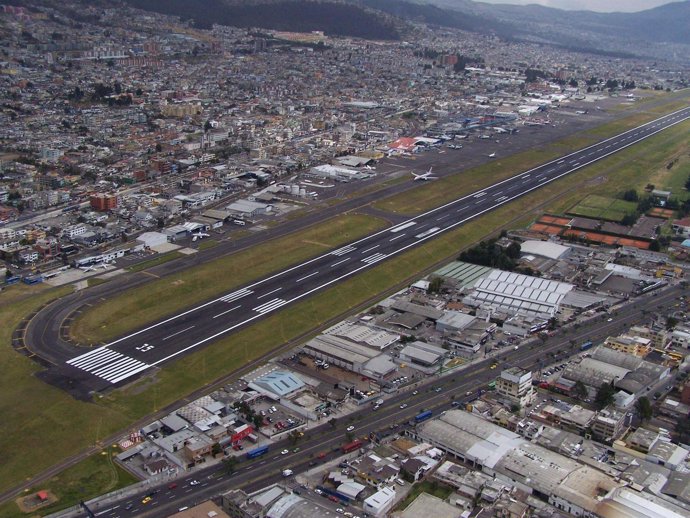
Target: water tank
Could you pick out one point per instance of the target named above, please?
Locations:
(303, 191)
(295, 190)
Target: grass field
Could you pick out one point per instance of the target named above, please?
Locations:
(49, 425)
(94, 476)
(601, 207)
(160, 259)
(40, 424)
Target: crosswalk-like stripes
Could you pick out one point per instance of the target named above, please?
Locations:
(374, 258)
(270, 306)
(110, 365)
(236, 295)
(344, 250)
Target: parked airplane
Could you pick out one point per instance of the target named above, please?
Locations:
(424, 177)
(200, 235)
(492, 155)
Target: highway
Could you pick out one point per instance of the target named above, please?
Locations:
(124, 359)
(390, 418)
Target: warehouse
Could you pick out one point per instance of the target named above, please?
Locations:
(518, 293)
(341, 352)
(422, 354)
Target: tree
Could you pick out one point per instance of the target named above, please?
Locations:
(644, 408)
(435, 284)
(349, 436)
(604, 395)
(216, 449)
(333, 422)
(630, 195)
(230, 464)
(671, 322)
(654, 246)
(580, 390)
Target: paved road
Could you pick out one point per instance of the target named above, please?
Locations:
(124, 359)
(258, 473)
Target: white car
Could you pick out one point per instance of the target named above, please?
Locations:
(284, 452)
(404, 405)
(350, 428)
(194, 483)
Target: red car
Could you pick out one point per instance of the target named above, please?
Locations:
(172, 485)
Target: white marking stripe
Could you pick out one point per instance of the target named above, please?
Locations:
(236, 295)
(340, 262)
(403, 226)
(396, 237)
(374, 258)
(369, 249)
(344, 250)
(306, 277)
(178, 333)
(103, 355)
(110, 365)
(270, 306)
(228, 311)
(267, 294)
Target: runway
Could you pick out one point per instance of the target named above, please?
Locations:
(130, 356)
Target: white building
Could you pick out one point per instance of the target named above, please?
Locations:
(380, 502)
(515, 386)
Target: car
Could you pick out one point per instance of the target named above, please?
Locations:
(129, 506)
(295, 450)
(609, 320)
(350, 428)
(146, 500)
(339, 510)
(376, 407)
(493, 366)
(415, 392)
(404, 405)
(318, 491)
(172, 485)
(438, 389)
(284, 452)
(194, 483)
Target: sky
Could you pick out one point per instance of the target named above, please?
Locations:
(604, 6)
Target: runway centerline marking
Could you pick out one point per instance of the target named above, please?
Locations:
(228, 311)
(178, 333)
(306, 277)
(267, 294)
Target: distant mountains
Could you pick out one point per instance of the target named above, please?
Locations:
(662, 32)
(335, 18)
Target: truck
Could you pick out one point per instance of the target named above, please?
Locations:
(587, 345)
(423, 416)
(257, 452)
(351, 446)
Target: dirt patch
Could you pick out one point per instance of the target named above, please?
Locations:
(38, 500)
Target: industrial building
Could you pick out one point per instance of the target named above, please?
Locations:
(514, 385)
(562, 482)
(517, 293)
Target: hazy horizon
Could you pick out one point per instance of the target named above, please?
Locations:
(625, 6)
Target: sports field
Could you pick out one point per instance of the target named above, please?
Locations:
(602, 207)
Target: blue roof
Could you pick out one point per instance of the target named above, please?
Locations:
(280, 383)
(686, 243)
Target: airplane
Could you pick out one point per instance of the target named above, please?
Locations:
(492, 155)
(200, 235)
(87, 268)
(424, 177)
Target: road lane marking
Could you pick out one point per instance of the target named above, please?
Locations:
(340, 262)
(306, 277)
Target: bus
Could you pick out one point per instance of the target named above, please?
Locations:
(257, 452)
(423, 416)
(588, 344)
